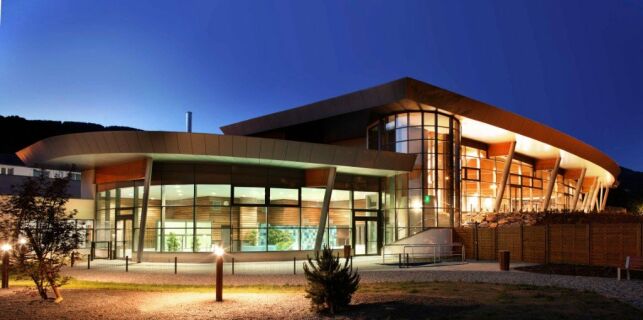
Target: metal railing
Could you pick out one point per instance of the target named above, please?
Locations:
(416, 254)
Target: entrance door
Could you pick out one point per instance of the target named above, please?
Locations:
(123, 238)
(366, 232)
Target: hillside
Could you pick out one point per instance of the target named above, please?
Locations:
(19, 132)
(629, 193)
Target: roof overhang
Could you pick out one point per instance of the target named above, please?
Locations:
(98, 149)
(480, 121)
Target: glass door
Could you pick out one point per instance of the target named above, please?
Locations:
(123, 238)
(366, 232)
(360, 237)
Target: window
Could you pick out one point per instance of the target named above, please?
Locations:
(250, 227)
(340, 199)
(312, 197)
(283, 229)
(472, 174)
(249, 195)
(40, 173)
(365, 200)
(178, 194)
(126, 197)
(213, 195)
(284, 197)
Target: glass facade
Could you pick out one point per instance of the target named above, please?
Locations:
(454, 180)
(525, 190)
(429, 196)
(191, 208)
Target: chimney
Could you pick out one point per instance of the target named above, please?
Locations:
(188, 121)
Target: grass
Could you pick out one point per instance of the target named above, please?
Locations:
(435, 300)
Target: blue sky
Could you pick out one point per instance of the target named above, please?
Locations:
(574, 65)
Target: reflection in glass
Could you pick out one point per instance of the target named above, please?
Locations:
(249, 195)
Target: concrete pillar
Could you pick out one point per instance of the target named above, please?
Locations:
(143, 217)
(592, 203)
(551, 184)
(323, 217)
(604, 202)
(505, 176)
(579, 187)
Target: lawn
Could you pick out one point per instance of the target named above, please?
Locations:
(409, 300)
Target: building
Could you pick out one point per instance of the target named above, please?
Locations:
(13, 173)
(367, 169)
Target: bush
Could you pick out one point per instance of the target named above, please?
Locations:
(173, 243)
(330, 286)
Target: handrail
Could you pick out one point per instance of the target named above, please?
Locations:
(434, 254)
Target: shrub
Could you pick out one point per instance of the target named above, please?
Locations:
(330, 285)
(173, 243)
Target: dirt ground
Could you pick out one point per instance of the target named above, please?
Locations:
(400, 301)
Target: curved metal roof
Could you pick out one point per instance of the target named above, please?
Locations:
(408, 94)
(95, 149)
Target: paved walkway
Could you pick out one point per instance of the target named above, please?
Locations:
(281, 273)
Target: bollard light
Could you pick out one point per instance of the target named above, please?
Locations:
(219, 252)
(5, 265)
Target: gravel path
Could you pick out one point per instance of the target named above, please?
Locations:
(627, 291)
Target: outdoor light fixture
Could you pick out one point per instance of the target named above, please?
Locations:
(219, 252)
(22, 241)
(5, 265)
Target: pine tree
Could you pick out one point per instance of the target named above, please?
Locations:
(330, 285)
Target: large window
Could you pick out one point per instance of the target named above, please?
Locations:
(272, 215)
(428, 196)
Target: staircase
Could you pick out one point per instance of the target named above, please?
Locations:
(433, 245)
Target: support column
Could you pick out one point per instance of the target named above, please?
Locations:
(584, 203)
(607, 192)
(589, 196)
(323, 217)
(592, 203)
(505, 176)
(551, 184)
(579, 187)
(143, 217)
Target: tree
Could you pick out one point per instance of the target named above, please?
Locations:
(173, 243)
(280, 238)
(42, 230)
(330, 286)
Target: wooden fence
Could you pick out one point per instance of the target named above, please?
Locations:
(588, 244)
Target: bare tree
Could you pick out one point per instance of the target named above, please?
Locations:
(42, 231)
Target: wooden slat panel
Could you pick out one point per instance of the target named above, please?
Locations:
(509, 239)
(534, 244)
(486, 244)
(465, 236)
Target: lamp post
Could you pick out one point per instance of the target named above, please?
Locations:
(5, 265)
(219, 252)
